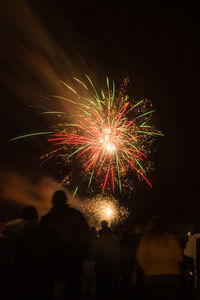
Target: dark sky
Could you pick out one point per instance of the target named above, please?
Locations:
(156, 46)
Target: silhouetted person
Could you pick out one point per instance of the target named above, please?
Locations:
(24, 272)
(159, 255)
(89, 276)
(137, 276)
(191, 262)
(67, 230)
(106, 263)
(126, 263)
(198, 266)
(92, 233)
(105, 230)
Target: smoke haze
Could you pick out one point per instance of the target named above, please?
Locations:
(18, 190)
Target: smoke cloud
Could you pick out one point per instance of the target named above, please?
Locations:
(16, 189)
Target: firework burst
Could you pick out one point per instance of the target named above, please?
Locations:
(109, 134)
(103, 207)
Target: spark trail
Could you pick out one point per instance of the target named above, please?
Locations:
(108, 133)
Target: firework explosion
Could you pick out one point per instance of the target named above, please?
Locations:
(108, 134)
(101, 208)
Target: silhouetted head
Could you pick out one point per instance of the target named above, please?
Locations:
(104, 224)
(157, 226)
(29, 213)
(59, 198)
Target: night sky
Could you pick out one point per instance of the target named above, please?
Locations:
(43, 42)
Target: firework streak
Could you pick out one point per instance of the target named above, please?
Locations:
(108, 133)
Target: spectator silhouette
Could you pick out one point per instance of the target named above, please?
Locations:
(191, 262)
(93, 233)
(106, 263)
(24, 272)
(89, 276)
(137, 276)
(67, 231)
(105, 230)
(126, 263)
(159, 255)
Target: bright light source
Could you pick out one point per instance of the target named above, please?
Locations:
(108, 212)
(110, 147)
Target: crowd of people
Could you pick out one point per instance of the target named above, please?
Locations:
(60, 257)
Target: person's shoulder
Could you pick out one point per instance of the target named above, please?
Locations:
(169, 236)
(74, 212)
(144, 242)
(71, 209)
(195, 235)
(172, 239)
(45, 218)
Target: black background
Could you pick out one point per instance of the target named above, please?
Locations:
(156, 46)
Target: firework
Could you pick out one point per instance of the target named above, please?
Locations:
(101, 208)
(108, 134)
